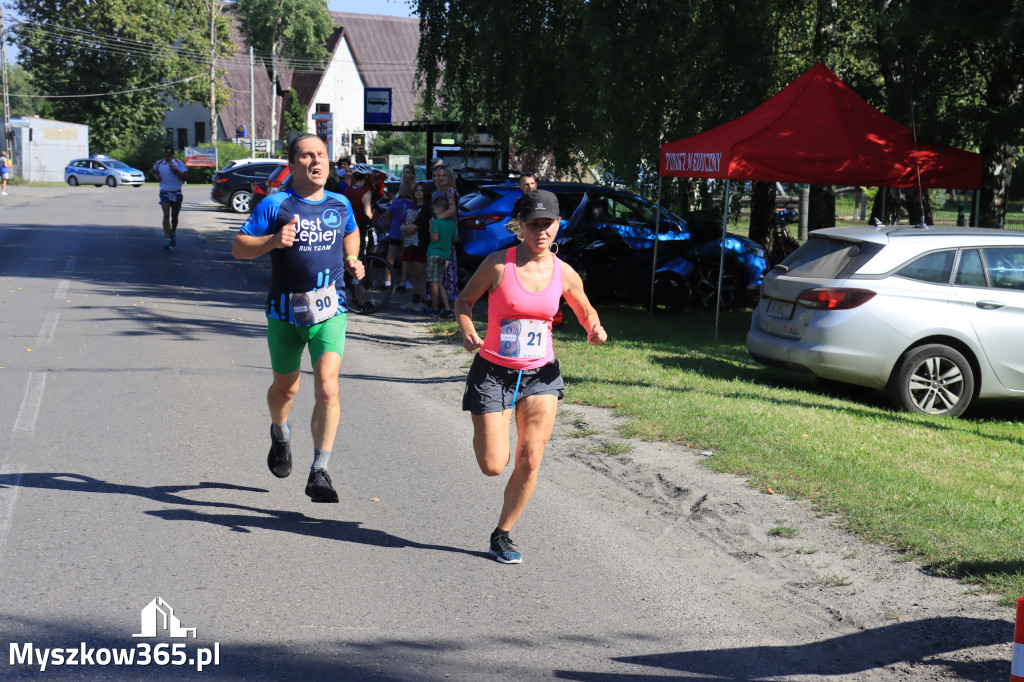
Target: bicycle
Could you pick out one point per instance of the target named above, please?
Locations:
(370, 294)
(780, 242)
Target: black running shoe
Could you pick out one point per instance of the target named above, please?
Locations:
(279, 460)
(503, 549)
(319, 487)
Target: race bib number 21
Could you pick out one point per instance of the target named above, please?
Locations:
(527, 339)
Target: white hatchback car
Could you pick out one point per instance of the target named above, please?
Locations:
(933, 314)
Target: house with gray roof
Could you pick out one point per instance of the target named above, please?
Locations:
(366, 51)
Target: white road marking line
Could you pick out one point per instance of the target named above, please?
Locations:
(49, 326)
(62, 290)
(30, 404)
(8, 495)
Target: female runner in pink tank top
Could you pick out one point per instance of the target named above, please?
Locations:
(516, 365)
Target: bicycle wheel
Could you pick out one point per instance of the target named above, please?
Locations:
(374, 291)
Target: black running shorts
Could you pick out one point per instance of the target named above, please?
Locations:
(491, 387)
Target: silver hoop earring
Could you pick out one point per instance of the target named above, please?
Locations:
(554, 248)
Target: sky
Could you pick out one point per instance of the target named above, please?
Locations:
(397, 8)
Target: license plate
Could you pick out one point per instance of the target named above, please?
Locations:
(780, 309)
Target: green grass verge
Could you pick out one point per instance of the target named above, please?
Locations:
(948, 492)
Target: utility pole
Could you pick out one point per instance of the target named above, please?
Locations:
(213, 73)
(252, 106)
(7, 103)
(273, 100)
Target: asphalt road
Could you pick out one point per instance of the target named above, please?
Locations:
(132, 405)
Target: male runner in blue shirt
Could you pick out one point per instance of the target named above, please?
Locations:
(312, 239)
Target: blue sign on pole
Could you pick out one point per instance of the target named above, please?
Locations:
(376, 106)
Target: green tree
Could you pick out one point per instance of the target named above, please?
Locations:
(111, 63)
(24, 96)
(295, 29)
(956, 69)
(625, 77)
(294, 115)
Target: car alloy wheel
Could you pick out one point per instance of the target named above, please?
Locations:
(671, 292)
(111, 181)
(73, 181)
(240, 201)
(706, 289)
(932, 379)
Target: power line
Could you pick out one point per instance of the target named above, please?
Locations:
(114, 92)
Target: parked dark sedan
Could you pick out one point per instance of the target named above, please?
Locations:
(232, 186)
(483, 217)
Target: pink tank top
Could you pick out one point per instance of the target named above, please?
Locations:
(519, 321)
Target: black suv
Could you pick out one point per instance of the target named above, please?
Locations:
(232, 186)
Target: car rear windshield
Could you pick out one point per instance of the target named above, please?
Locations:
(483, 197)
(824, 258)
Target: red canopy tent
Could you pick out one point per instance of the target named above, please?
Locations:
(819, 131)
(816, 130)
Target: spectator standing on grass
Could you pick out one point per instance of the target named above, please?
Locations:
(360, 195)
(527, 183)
(444, 185)
(395, 218)
(515, 365)
(416, 231)
(344, 163)
(442, 237)
(171, 173)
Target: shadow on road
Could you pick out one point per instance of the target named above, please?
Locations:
(920, 644)
(244, 520)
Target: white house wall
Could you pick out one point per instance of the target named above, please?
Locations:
(341, 88)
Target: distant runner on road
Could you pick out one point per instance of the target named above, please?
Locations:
(516, 365)
(312, 239)
(171, 173)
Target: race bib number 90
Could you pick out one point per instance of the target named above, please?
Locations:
(313, 307)
(523, 339)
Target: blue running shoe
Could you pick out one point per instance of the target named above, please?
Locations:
(502, 549)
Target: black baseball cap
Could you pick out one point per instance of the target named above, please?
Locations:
(170, 148)
(539, 203)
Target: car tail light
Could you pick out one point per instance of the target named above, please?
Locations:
(275, 182)
(479, 222)
(256, 189)
(834, 298)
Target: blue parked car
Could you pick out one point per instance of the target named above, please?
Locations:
(483, 217)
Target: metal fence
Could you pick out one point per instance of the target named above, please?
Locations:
(948, 208)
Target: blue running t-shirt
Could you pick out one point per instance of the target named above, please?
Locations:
(316, 259)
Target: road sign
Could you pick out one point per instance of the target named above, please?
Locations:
(376, 106)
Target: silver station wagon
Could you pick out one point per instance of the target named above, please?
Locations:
(934, 315)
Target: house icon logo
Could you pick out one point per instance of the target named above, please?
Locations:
(158, 615)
